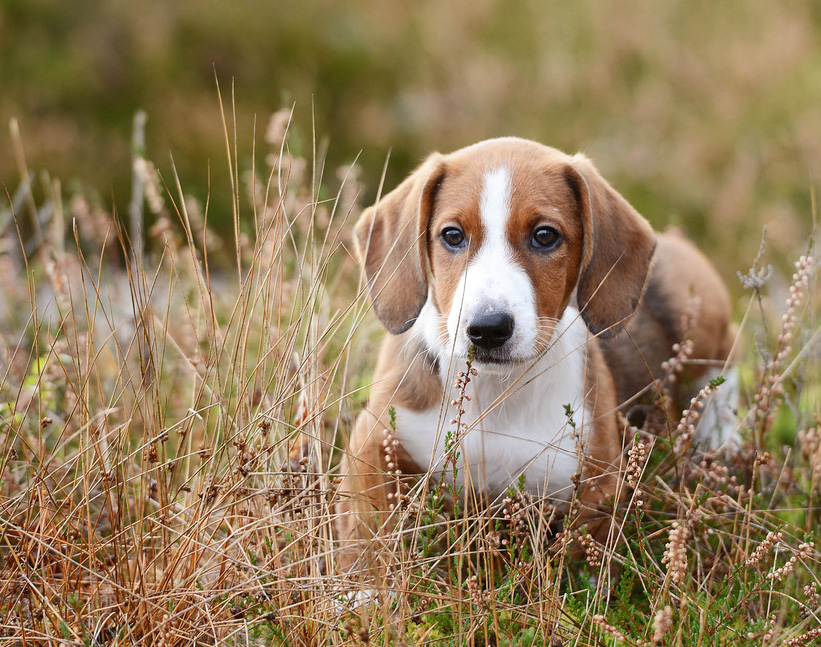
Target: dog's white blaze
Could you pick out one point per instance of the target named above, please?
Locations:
(495, 205)
(493, 280)
(516, 422)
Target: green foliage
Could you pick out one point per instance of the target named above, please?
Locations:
(146, 481)
(716, 382)
(703, 114)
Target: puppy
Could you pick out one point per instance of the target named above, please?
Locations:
(527, 261)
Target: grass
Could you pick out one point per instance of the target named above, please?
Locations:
(703, 114)
(147, 408)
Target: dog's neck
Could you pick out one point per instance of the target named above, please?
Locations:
(516, 421)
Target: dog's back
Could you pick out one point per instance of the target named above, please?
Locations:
(685, 299)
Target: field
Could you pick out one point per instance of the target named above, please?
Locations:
(149, 405)
(161, 348)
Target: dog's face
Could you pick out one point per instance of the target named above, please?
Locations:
(504, 255)
(492, 243)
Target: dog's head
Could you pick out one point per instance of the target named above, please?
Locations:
(495, 241)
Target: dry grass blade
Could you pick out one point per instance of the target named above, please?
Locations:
(147, 410)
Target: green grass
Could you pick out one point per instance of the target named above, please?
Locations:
(702, 114)
(146, 412)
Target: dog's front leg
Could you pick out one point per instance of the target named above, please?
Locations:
(601, 494)
(363, 507)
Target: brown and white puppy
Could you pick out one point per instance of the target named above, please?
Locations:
(529, 256)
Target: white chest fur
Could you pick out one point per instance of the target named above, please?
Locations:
(516, 424)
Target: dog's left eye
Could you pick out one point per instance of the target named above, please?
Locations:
(453, 237)
(545, 238)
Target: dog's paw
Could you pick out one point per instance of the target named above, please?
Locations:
(357, 600)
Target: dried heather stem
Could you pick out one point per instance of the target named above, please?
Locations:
(514, 510)
(635, 462)
(391, 445)
(675, 553)
(812, 596)
(763, 549)
(768, 636)
(804, 552)
(770, 390)
(462, 380)
(610, 630)
(479, 597)
(805, 638)
(810, 443)
(662, 622)
(592, 554)
(686, 428)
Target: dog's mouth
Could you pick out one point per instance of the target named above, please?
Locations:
(493, 356)
(499, 359)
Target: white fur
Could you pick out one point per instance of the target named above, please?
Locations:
(718, 428)
(493, 281)
(516, 422)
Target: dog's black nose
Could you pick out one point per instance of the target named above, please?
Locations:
(490, 330)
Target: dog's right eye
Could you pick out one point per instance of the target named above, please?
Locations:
(453, 237)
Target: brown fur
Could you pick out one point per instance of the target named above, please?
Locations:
(604, 260)
(679, 270)
(391, 238)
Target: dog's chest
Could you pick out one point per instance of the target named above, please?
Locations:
(515, 426)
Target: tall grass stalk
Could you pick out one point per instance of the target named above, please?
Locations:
(147, 411)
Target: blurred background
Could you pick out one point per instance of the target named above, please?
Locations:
(703, 114)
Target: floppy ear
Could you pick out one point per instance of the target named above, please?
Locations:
(391, 238)
(618, 249)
